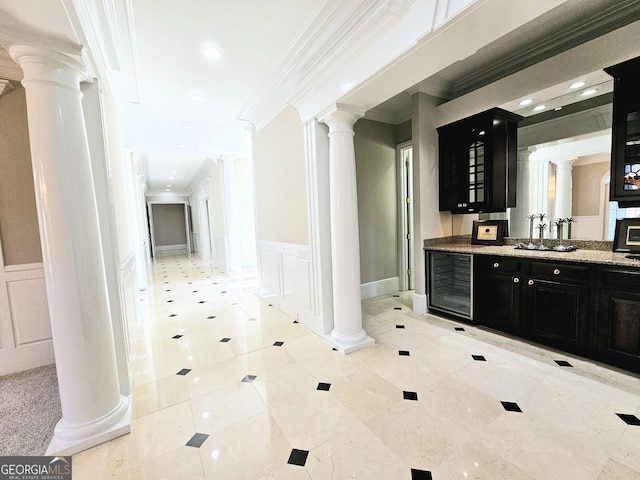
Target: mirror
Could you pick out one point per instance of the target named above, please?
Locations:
(563, 171)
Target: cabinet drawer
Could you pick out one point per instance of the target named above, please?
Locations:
(622, 279)
(497, 264)
(561, 271)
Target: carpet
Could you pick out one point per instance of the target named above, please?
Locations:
(29, 411)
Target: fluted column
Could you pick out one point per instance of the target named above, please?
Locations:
(347, 334)
(563, 187)
(93, 410)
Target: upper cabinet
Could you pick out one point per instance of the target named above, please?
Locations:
(478, 160)
(625, 148)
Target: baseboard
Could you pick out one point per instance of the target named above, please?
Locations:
(380, 287)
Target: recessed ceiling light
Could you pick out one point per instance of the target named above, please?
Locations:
(539, 107)
(211, 52)
(197, 98)
(169, 186)
(347, 86)
(181, 145)
(172, 178)
(167, 189)
(187, 127)
(591, 91)
(577, 85)
(173, 171)
(526, 101)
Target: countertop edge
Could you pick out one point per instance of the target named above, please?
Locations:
(601, 257)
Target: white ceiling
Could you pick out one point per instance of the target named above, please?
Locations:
(171, 67)
(259, 41)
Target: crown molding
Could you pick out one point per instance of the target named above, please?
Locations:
(335, 31)
(107, 28)
(614, 16)
(203, 171)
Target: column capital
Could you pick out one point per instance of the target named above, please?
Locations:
(568, 161)
(43, 65)
(341, 117)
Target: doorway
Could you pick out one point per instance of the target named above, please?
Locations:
(406, 256)
(169, 228)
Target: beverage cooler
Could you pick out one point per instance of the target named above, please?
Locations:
(449, 283)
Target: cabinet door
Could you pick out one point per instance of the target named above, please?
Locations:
(625, 152)
(557, 313)
(496, 300)
(619, 328)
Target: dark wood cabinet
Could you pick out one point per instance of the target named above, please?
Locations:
(558, 296)
(497, 292)
(625, 148)
(544, 301)
(477, 163)
(618, 339)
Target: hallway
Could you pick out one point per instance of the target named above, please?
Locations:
(227, 387)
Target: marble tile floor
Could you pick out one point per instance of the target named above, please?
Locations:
(226, 386)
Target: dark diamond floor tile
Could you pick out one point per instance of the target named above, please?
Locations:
(296, 321)
(563, 363)
(184, 371)
(511, 407)
(420, 474)
(404, 353)
(225, 340)
(211, 317)
(278, 344)
(249, 378)
(177, 336)
(298, 457)
(201, 301)
(397, 308)
(410, 395)
(396, 296)
(169, 301)
(197, 440)
(459, 329)
(324, 386)
(400, 326)
(629, 419)
(173, 315)
(479, 358)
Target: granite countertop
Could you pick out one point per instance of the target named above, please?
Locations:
(586, 255)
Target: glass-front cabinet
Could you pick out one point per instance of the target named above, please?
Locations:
(478, 159)
(625, 148)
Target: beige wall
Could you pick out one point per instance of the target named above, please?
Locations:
(586, 179)
(19, 233)
(375, 147)
(280, 177)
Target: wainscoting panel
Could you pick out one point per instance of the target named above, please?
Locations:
(220, 253)
(286, 280)
(25, 328)
(296, 283)
(30, 319)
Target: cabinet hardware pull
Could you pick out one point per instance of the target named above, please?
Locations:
(556, 272)
(530, 282)
(496, 265)
(516, 280)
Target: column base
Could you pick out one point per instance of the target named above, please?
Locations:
(71, 440)
(419, 303)
(347, 344)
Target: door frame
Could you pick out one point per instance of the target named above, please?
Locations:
(406, 249)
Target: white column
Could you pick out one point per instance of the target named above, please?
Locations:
(563, 187)
(347, 334)
(93, 410)
(538, 184)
